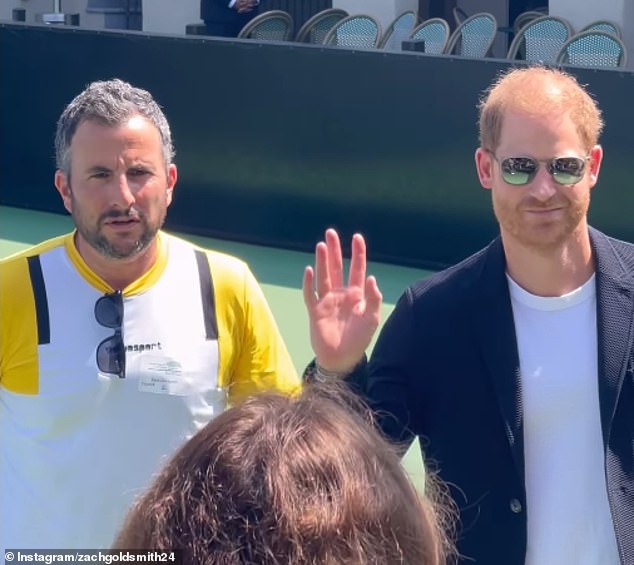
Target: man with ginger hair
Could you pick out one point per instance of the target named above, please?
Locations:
(516, 366)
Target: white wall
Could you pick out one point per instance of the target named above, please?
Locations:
(6, 8)
(581, 12)
(35, 9)
(168, 16)
(38, 7)
(159, 16)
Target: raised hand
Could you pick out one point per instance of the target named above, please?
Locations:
(342, 319)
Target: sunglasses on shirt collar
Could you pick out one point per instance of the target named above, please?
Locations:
(519, 171)
(111, 352)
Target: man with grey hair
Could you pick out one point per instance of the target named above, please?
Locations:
(119, 341)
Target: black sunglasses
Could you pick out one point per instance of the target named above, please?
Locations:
(110, 352)
(522, 170)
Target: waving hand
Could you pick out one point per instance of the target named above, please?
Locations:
(342, 318)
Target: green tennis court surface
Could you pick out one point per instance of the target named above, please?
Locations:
(279, 272)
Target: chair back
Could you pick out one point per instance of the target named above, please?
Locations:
(459, 15)
(473, 37)
(540, 40)
(603, 25)
(316, 27)
(273, 25)
(434, 32)
(525, 17)
(398, 31)
(358, 31)
(593, 49)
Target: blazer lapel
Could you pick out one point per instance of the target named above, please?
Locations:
(495, 329)
(615, 319)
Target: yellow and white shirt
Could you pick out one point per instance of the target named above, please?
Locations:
(77, 445)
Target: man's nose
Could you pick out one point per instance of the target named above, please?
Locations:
(123, 195)
(543, 186)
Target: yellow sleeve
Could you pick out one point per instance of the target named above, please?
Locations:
(253, 356)
(18, 328)
(19, 363)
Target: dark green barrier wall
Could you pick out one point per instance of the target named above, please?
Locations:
(276, 142)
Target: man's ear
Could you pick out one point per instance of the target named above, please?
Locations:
(63, 187)
(594, 164)
(484, 166)
(172, 177)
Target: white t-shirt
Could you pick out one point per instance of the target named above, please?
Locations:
(569, 519)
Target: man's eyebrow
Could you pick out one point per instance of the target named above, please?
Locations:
(98, 169)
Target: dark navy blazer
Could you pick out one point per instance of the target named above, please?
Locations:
(446, 368)
(218, 11)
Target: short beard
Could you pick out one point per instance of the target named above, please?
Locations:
(105, 248)
(100, 243)
(509, 220)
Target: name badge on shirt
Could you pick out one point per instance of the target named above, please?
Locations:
(179, 371)
(162, 375)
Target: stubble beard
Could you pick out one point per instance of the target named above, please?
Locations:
(553, 237)
(110, 249)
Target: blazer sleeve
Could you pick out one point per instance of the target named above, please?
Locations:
(385, 381)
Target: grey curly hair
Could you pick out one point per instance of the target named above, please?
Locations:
(110, 102)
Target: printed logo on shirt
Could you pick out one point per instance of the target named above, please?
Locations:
(144, 347)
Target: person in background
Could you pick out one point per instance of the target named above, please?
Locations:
(117, 341)
(300, 480)
(515, 367)
(225, 18)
